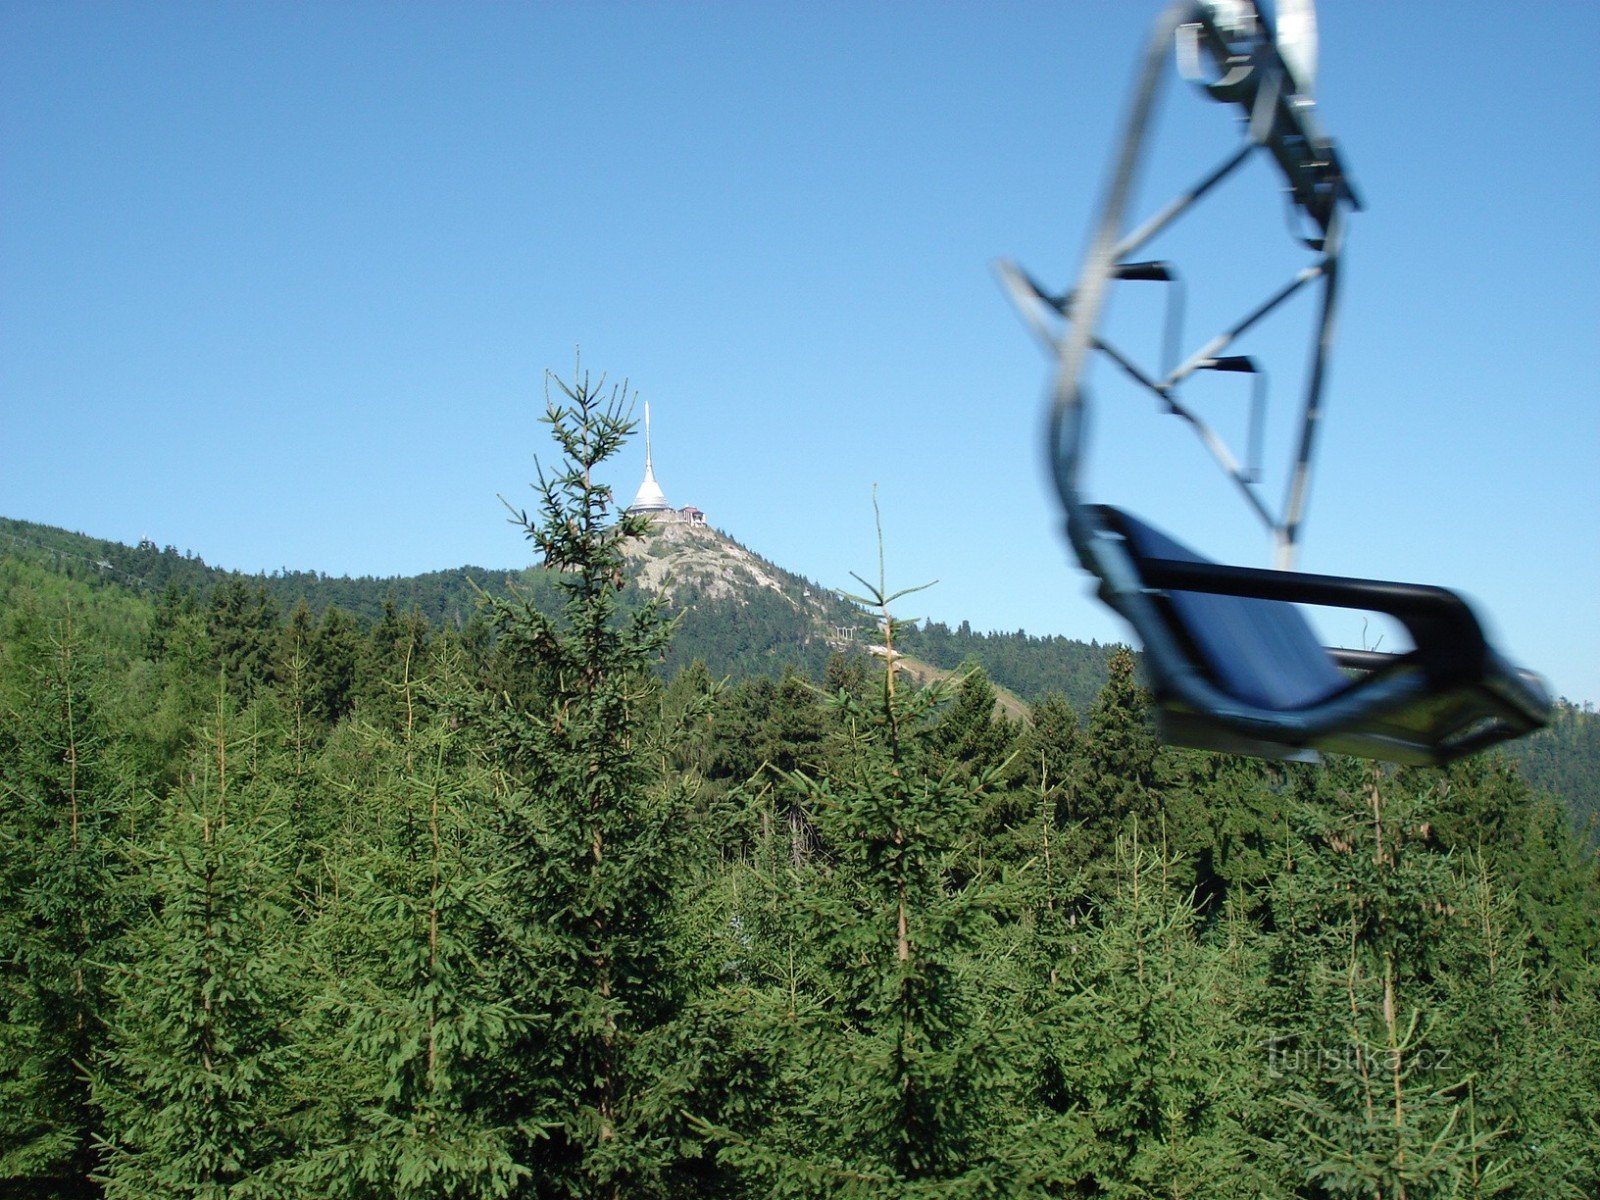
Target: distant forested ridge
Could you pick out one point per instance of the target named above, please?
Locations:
(760, 631)
(1564, 760)
(501, 890)
(756, 633)
(1031, 666)
(446, 597)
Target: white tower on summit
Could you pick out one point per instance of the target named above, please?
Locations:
(649, 498)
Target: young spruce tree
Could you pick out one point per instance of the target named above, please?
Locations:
(403, 1028)
(61, 798)
(586, 843)
(1361, 1057)
(891, 1037)
(193, 1082)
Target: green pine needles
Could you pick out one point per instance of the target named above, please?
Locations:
(585, 836)
(303, 903)
(193, 1075)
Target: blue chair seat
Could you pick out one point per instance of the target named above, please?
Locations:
(1234, 664)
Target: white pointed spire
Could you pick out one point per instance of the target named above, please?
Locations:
(650, 497)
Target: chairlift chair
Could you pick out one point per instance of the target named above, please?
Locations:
(1233, 663)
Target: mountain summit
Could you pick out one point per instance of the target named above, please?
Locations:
(677, 556)
(735, 603)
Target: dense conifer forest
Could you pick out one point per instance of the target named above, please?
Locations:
(317, 900)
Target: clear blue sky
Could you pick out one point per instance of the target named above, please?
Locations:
(279, 283)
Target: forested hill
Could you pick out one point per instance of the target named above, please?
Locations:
(445, 597)
(739, 614)
(1564, 760)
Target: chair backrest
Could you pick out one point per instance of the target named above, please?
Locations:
(1262, 652)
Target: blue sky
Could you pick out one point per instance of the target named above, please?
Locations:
(279, 283)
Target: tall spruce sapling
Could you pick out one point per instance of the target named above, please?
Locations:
(1380, 1104)
(404, 1026)
(193, 1082)
(890, 1038)
(1529, 1067)
(1149, 1042)
(243, 623)
(590, 847)
(61, 798)
(970, 737)
(1121, 776)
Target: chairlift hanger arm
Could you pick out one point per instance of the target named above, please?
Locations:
(1253, 73)
(1280, 122)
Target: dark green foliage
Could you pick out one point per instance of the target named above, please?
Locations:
(330, 668)
(242, 623)
(325, 888)
(752, 635)
(761, 632)
(885, 1066)
(1052, 750)
(1525, 1070)
(587, 841)
(764, 730)
(181, 687)
(193, 1080)
(1483, 805)
(1371, 896)
(1564, 760)
(97, 562)
(394, 649)
(445, 599)
(61, 801)
(406, 1003)
(1120, 749)
(1151, 1034)
(1032, 667)
(968, 738)
(684, 731)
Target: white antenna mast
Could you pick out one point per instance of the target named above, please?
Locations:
(649, 497)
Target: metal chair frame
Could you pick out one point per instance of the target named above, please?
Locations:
(1452, 695)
